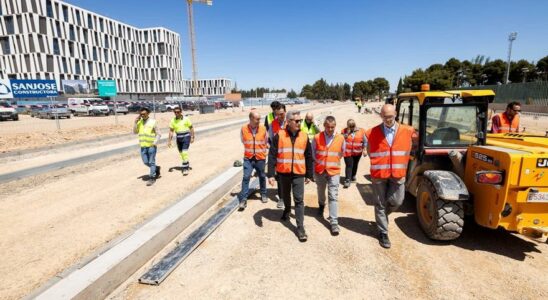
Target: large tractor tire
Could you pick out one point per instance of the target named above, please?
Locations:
(440, 219)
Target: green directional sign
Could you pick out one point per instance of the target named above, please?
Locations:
(107, 88)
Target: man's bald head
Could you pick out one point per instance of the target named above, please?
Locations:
(254, 118)
(309, 118)
(350, 123)
(388, 115)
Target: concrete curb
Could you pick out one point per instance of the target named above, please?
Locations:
(102, 275)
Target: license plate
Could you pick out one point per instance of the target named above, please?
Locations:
(537, 197)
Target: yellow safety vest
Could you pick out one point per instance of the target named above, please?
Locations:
(313, 129)
(181, 126)
(147, 136)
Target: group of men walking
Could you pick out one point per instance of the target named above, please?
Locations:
(298, 153)
(149, 138)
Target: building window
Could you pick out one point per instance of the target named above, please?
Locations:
(71, 49)
(106, 42)
(90, 22)
(49, 9)
(105, 54)
(94, 53)
(56, 49)
(101, 25)
(163, 73)
(90, 68)
(110, 71)
(5, 44)
(72, 36)
(49, 63)
(84, 52)
(85, 32)
(77, 69)
(65, 13)
(58, 27)
(78, 20)
(161, 49)
(10, 27)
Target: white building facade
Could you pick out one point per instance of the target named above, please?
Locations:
(209, 87)
(51, 39)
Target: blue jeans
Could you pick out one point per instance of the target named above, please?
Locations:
(249, 166)
(149, 159)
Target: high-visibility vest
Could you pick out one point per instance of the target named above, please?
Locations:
(358, 103)
(290, 158)
(328, 158)
(276, 127)
(354, 142)
(147, 136)
(506, 125)
(270, 118)
(254, 144)
(312, 131)
(387, 161)
(181, 126)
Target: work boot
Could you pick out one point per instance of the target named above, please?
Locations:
(285, 216)
(151, 181)
(280, 204)
(335, 229)
(321, 208)
(301, 234)
(264, 199)
(384, 241)
(158, 171)
(346, 184)
(185, 171)
(242, 206)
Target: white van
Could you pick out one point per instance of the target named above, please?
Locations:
(87, 107)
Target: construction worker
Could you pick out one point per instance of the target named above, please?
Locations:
(389, 145)
(309, 127)
(359, 104)
(272, 115)
(149, 136)
(355, 142)
(254, 139)
(184, 131)
(277, 125)
(290, 157)
(507, 121)
(328, 148)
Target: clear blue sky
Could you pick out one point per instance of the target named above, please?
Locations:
(288, 43)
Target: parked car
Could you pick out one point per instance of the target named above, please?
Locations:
(120, 109)
(34, 109)
(8, 112)
(87, 106)
(50, 112)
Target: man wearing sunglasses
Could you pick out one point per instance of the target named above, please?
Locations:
(149, 136)
(184, 131)
(507, 121)
(290, 157)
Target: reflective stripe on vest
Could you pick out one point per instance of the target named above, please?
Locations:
(290, 157)
(354, 143)
(147, 136)
(389, 161)
(506, 125)
(328, 158)
(254, 145)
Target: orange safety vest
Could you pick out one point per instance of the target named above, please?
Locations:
(389, 161)
(354, 145)
(254, 144)
(290, 158)
(506, 125)
(328, 158)
(276, 127)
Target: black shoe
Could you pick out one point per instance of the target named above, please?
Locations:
(354, 179)
(384, 241)
(320, 210)
(346, 184)
(285, 216)
(151, 182)
(335, 229)
(301, 234)
(158, 171)
(242, 206)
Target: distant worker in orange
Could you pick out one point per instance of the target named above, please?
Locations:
(355, 144)
(507, 121)
(277, 124)
(389, 146)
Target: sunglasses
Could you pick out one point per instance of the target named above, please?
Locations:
(517, 110)
(296, 121)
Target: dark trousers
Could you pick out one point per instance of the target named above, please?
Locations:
(351, 164)
(295, 184)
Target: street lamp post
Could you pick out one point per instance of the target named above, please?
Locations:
(511, 39)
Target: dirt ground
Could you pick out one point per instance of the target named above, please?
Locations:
(52, 221)
(253, 255)
(29, 133)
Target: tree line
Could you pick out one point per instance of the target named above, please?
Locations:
(478, 71)
(342, 91)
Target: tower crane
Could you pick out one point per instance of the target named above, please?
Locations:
(193, 41)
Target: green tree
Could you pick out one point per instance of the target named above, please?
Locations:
(307, 92)
(399, 90)
(292, 94)
(320, 89)
(381, 86)
(347, 91)
(542, 68)
(520, 70)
